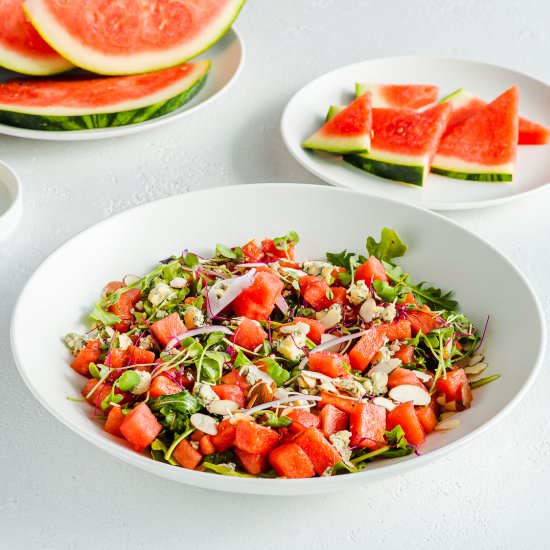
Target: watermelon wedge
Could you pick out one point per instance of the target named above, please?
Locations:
(98, 102)
(399, 96)
(21, 48)
(131, 36)
(348, 131)
(403, 143)
(465, 104)
(483, 146)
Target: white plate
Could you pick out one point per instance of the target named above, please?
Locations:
(60, 293)
(227, 57)
(306, 111)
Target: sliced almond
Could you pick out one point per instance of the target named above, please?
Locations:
(450, 406)
(445, 415)
(204, 423)
(259, 393)
(408, 392)
(475, 369)
(222, 407)
(424, 376)
(475, 359)
(130, 279)
(448, 425)
(384, 402)
(441, 400)
(386, 366)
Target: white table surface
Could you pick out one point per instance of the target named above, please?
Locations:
(58, 491)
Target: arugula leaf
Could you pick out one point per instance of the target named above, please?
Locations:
(212, 366)
(158, 452)
(345, 259)
(102, 316)
(283, 243)
(174, 410)
(224, 470)
(278, 373)
(386, 292)
(398, 442)
(274, 421)
(390, 246)
(221, 458)
(225, 252)
(241, 360)
(434, 297)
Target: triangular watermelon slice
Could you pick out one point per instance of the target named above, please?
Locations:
(483, 146)
(466, 104)
(399, 96)
(349, 131)
(403, 143)
(21, 47)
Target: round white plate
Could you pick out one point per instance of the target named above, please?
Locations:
(227, 57)
(306, 111)
(61, 292)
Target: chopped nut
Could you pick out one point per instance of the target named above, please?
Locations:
(222, 407)
(204, 423)
(260, 393)
(477, 368)
(448, 425)
(408, 392)
(475, 359)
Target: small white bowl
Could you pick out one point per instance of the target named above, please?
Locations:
(11, 203)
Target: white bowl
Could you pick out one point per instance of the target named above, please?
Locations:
(227, 56)
(60, 293)
(305, 112)
(11, 202)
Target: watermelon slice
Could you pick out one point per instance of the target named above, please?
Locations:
(403, 143)
(129, 36)
(22, 48)
(98, 102)
(348, 131)
(399, 96)
(483, 146)
(465, 104)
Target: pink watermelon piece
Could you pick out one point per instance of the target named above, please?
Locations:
(348, 131)
(22, 49)
(483, 145)
(129, 37)
(399, 96)
(466, 104)
(403, 143)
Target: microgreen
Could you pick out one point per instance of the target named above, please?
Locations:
(129, 380)
(274, 421)
(390, 246)
(283, 243)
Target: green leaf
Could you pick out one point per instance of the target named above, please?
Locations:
(214, 338)
(191, 260)
(390, 246)
(102, 316)
(283, 243)
(224, 470)
(345, 259)
(278, 373)
(274, 421)
(221, 458)
(129, 380)
(386, 292)
(94, 371)
(212, 366)
(241, 360)
(170, 270)
(225, 252)
(158, 450)
(174, 410)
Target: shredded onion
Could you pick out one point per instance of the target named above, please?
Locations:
(299, 397)
(235, 286)
(253, 264)
(280, 302)
(196, 332)
(329, 344)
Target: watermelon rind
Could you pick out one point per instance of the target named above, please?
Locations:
(377, 98)
(459, 169)
(399, 168)
(159, 103)
(458, 98)
(32, 65)
(86, 57)
(339, 145)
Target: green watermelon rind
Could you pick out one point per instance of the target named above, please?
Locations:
(386, 165)
(101, 120)
(338, 145)
(377, 99)
(87, 58)
(401, 173)
(461, 170)
(33, 66)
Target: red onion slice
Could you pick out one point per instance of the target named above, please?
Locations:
(329, 344)
(235, 286)
(280, 302)
(197, 332)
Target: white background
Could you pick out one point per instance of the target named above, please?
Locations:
(57, 491)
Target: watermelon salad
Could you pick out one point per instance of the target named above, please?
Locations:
(142, 46)
(252, 363)
(406, 134)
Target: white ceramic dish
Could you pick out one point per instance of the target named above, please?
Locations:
(227, 57)
(234, 217)
(307, 109)
(11, 202)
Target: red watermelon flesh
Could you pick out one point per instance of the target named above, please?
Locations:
(131, 36)
(22, 49)
(399, 96)
(348, 131)
(483, 146)
(466, 104)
